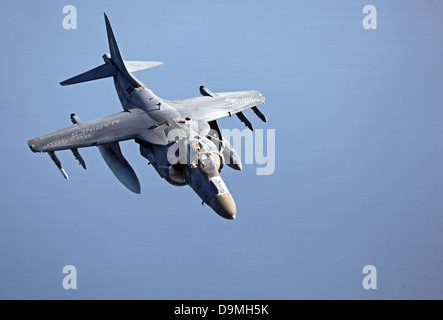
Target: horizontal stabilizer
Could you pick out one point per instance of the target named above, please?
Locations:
(103, 71)
(133, 66)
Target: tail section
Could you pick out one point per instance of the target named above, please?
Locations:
(103, 71)
(133, 66)
(114, 64)
(113, 47)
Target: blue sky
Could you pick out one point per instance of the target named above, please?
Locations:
(359, 153)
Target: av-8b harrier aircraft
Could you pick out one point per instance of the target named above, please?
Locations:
(181, 139)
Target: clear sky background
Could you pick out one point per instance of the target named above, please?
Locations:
(359, 153)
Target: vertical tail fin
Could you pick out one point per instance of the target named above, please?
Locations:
(114, 64)
(116, 56)
(113, 46)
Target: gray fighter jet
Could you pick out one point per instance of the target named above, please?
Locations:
(181, 139)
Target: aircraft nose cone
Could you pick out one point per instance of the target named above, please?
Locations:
(224, 206)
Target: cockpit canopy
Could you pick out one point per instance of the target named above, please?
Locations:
(202, 157)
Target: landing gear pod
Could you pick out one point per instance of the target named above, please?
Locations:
(119, 166)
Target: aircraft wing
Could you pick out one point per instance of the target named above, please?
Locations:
(117, 127)
(212, 106)
(105, 133)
